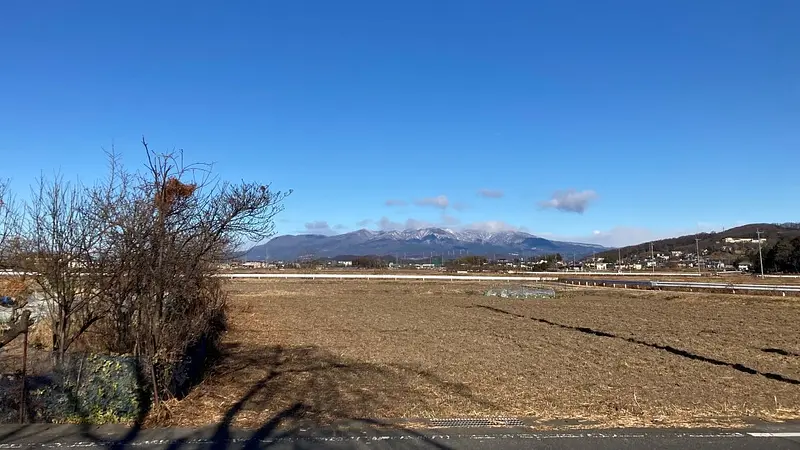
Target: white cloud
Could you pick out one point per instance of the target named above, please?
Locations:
(437, 202)
(450, 220)
(318, 227)
(570, 200)
(395, 202)
(446, 221)
(386, 224)
(364, 222)
(491, 193)
(460, 206)
(492, 226)
(414, 224)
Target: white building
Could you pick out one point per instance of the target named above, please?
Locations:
(730, 240)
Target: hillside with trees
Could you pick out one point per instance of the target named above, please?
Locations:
(781, 257)
(710, 243)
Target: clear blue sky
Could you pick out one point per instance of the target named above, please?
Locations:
(661, 116)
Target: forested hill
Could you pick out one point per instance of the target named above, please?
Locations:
(709, 241)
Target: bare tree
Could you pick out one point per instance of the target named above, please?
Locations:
(59, 240)
(131, 259)
(20, 326)
(9, 224)
(170, 226)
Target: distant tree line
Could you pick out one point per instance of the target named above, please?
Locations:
(472, 262)
(369, 262)
(467, 262)
(782, 257)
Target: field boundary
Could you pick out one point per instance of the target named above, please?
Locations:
(359, 276)
(672, 285)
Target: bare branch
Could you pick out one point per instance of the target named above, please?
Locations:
(19, 327)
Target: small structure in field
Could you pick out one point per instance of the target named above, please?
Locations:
(521, 292)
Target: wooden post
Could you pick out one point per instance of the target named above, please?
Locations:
(22, 395)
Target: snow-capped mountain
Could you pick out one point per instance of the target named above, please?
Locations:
(416, 243)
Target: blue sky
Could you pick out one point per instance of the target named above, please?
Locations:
(602, 121)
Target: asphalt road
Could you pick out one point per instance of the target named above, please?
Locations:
(76, 437)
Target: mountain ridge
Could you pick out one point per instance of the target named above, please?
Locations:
(415, 243)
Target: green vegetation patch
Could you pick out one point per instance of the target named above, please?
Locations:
(93, 389)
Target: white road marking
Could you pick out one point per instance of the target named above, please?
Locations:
(776, 435)
(435, 437)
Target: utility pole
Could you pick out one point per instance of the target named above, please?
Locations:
(619, 260)
(697, 244)
(760, 259)
(652, 257)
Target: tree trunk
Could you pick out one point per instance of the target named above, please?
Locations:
(19, 327)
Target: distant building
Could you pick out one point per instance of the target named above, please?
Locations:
(730, 240)
(254, 264)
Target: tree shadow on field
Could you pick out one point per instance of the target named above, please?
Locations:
(302, 397)
(667, 348)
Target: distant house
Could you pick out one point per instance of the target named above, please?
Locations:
(716, 265)
(676, 253)
(344, 263)
(730, 240)
(601, 266)
(637, 266)
(254, 264)
(744, 266)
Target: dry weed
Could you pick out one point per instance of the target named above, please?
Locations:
(393, 350)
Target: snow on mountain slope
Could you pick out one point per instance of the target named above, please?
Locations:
(416, 243)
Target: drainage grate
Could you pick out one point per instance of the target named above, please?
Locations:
(477, 422)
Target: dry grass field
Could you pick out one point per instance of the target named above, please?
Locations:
(326, 351)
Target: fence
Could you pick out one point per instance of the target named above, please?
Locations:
(680, 285)
(364, 276)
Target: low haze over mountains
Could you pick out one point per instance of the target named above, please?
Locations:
(416, 244)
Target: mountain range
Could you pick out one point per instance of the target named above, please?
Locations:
(417, 243)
